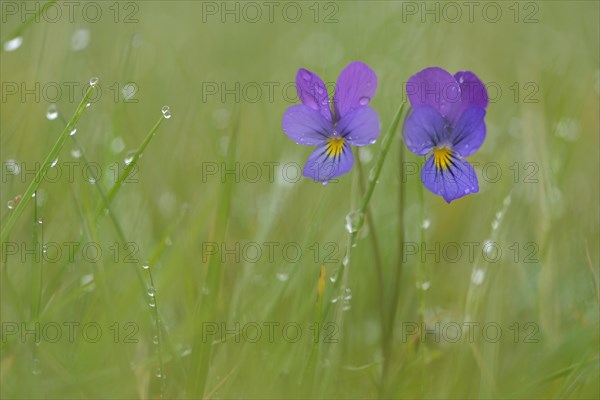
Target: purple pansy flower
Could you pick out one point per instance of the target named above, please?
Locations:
(333, 129)
(447, 117)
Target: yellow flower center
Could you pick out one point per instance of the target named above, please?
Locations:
(335, 146)
(442, 158)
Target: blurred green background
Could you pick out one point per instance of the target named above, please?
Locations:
(216, 210)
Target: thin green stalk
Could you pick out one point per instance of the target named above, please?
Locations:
(40, 175)
(354, 227)
(207, 301)
(376, 254)
(389, 336)
(355, 219)
(129, 167)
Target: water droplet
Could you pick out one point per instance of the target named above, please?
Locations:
(499, 215)
(353, 220)
(158, 373)
(166, 112)
(335, 300)
(146, 265)
(36, 367)
(365, 155)
(129, 157)
(93, 81)
(117, 145)
(53, 164)
(75, 153)
(325, 183)
(52, 112)
(477, 276)
(281, 277)
(12, 167)
(345, 261)
(88, 104)
(92, 181)
(129, 90)
(73, 132)
(80, 39)
(151, 291)
(495, 224)
(426, 223)
(10, 204)
(363, 101)
(155, 339)
(152, 302)
(347, 294)
(506, 201)
(13, 44)
(40, 221)
(424, 285)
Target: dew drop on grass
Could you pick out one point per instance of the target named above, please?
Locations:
(52, 112)
(166, 112)
(12, 167)
(426, 223)
(325, 183)
(155, 339)
(80, 39)
(159, 373)
(75, 153)
(129, 157)
(53, 164)
(13, 44)
(151, 291)
(40, 221)
(117, 145)
(10, 204)
(477, 276)
(93, 81)
(36, 367)
(282, 277)
(146, 265)
(73, 132)
(152, 303)
(353, 219)
(495, 224)
(129, 90)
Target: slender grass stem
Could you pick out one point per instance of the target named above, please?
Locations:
(207, 300)
(41, 174)
(389, 335)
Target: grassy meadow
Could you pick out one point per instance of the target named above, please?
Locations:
(159, 241)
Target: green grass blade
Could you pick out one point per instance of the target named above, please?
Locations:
(40, 175)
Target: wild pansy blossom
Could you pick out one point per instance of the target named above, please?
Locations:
(447, 120)
(350, 121)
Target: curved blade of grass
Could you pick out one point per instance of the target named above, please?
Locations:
(129, 167)
(40, 175)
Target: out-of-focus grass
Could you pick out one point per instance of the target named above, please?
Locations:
(542, 137)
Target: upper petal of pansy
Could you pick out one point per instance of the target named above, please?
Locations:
(472, 91)
(330, 159)
(424, 128)
(434, 87)
(449, 176)
(354, 88)
(305, 125)
(312, 92)
(468, 132)
(360, 126)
